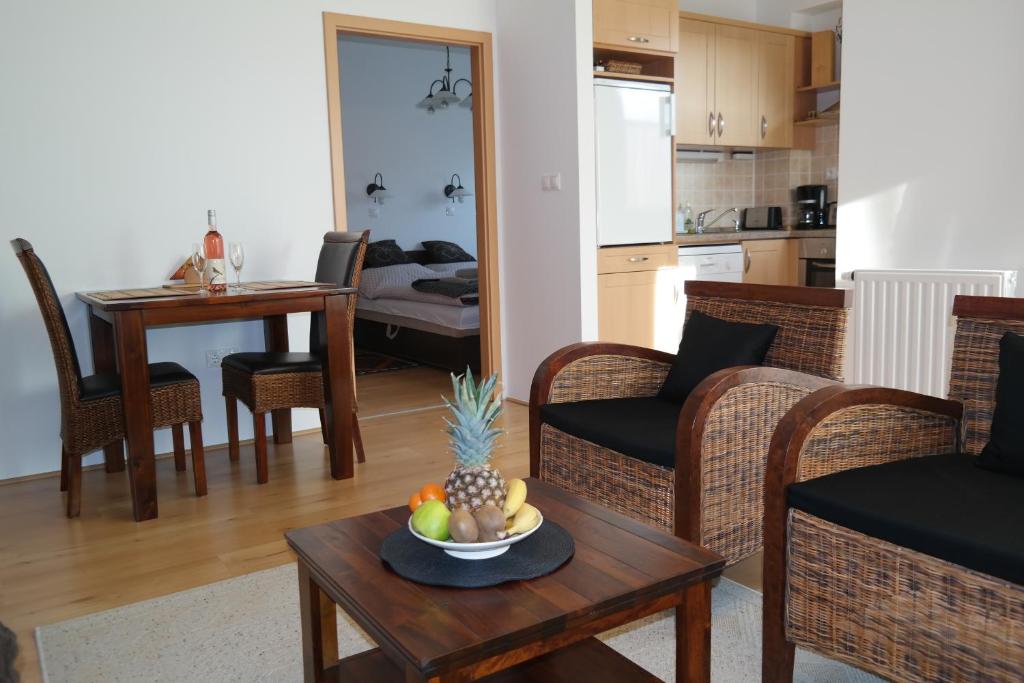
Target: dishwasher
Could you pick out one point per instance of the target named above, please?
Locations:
(718, 262)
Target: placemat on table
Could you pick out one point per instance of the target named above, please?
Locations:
(544, 551)
(146, 293)
(264, 285)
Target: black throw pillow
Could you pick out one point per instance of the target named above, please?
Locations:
(384, 253)
(710, 344)
(439, 251)
(1004, 451)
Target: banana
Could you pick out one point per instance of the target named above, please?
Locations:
(515, 496)
(527, 518)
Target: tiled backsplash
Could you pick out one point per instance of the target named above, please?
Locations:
(766, 180)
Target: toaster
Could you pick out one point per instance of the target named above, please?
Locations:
(762, 218)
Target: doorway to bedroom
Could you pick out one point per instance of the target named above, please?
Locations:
(410, 115)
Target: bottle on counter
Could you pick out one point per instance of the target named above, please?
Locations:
(679, 218)
(688, 219)
(216, 272)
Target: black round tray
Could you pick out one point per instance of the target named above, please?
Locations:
(544, 551)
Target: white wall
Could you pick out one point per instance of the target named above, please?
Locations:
(121, 124)
(549, 238)
(744, 10)
(416, 152)
(931, 142)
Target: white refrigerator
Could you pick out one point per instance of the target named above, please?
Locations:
(634, 125)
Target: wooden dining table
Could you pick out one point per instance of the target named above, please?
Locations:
(117, 325)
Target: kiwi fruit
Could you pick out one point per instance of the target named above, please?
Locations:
(463, 527)
(491, 522)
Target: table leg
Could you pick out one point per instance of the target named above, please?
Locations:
(275, 335)
(319, 628)
(104, 359)
(693, 635)
(132, 359)
(338, 385)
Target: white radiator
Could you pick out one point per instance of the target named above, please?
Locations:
(903, 324)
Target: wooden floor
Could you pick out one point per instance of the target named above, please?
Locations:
(52, 568)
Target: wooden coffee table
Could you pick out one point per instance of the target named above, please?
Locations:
(538, 630)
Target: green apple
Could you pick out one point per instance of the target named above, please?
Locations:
(431, 520)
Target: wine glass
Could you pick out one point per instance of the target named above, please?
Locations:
(199, 263)
(237, 255)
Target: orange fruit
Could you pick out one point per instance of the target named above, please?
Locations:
(415, 501)
(432, 492)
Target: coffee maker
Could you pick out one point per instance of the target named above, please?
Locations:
(811, 206)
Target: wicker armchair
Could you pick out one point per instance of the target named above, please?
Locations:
(900, 612)
(90, 406)
(266, 381)
(716, 443)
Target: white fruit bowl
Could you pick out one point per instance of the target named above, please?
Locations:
(475, 551)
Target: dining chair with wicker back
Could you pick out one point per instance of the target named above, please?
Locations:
(267, 380)
(694, 466)
(91, 413)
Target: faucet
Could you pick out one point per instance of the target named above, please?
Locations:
(701, 225)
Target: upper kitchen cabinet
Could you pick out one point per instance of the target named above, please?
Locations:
(734, 85)
(736, 119)
(695, 83)
(636, 24)
(775, 83)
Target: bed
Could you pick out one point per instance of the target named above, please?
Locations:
(429, 331)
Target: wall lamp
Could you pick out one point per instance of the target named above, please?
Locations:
(376, 190)
(453, 191)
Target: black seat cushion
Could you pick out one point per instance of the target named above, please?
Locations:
(642, 428)
(1004, 451)
(710, 344)
(940, 505)
(272, 363)
(105, 385)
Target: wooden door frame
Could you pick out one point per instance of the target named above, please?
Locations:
(482, 74)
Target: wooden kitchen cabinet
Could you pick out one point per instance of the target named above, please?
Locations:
(775, 84)
(769, 262)
(734, 85)
(637, 296)
(636, 24)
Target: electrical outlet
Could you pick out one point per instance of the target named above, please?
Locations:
(831, 173)
(215, 356)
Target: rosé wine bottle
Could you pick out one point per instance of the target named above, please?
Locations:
(216, 271)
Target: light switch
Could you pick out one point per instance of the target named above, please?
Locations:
(374, 211)
(551, 182)
(449, 210)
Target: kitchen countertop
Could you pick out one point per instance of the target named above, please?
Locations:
(733, 237)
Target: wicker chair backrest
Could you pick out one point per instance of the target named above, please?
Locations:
(811, 339)
(69, 374)
(974, 372)
(340, 263)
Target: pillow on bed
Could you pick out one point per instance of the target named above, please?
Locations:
(439, 251)
(392, 281)
(451, 268)
(384, 253)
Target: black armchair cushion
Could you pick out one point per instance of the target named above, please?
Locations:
(105, 385)
(642, 428)
(384, 253)
(939, 505)
(1005, 450)
(710, 344)
(272, 362)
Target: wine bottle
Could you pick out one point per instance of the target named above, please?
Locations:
(216, 271)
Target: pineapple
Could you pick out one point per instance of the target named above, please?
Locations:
(473, 483)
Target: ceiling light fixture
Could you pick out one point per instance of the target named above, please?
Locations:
(445, 94)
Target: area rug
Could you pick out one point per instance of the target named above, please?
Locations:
(371, 362)
(247, 629)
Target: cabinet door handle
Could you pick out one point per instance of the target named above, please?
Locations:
(711, 124)
(721, 124)
(638, 39)
(675, 294)
(746, 260)
(764, 126)
(639, 259)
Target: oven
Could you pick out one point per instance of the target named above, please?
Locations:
(817, 261)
